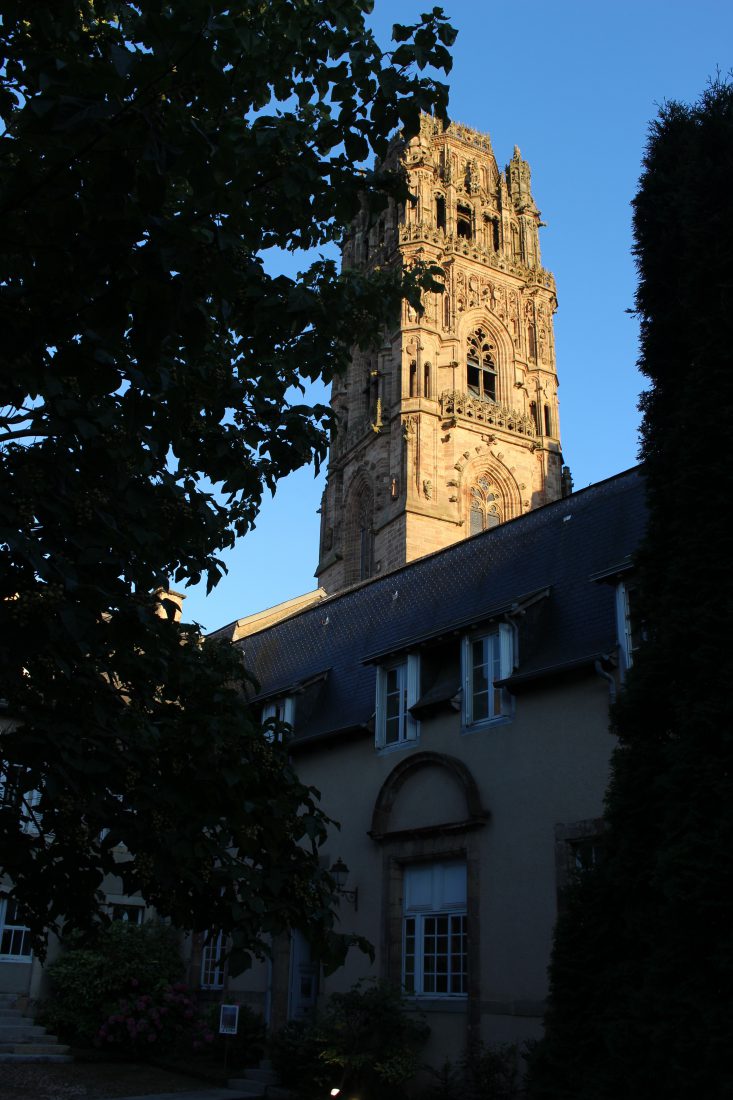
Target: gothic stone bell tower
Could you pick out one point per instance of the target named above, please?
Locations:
(452, 426)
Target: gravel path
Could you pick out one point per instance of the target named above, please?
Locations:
(88, 1081)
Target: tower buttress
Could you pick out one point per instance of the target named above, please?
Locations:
(452, 426)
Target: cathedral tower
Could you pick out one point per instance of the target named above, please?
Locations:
(452, 426)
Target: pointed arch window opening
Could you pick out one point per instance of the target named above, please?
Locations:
(485, 511)
(481, 373)
(365, 553)
(464, 222)
(413, 378)
(532, 340)
(365, 544)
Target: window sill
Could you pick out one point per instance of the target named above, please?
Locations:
(383, 750)
(429, 1003)
(489, 723)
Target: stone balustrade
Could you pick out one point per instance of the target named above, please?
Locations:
(469, 406)
(461, 246)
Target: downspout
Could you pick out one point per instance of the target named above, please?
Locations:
(268, 993)
(606, 676)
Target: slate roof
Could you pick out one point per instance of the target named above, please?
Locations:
(556, 556)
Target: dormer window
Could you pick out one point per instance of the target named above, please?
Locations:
(278, 711)
(631, 631)
(464, 222)
(398, 688)
(486, 658)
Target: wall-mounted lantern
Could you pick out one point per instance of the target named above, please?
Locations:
(340, 872)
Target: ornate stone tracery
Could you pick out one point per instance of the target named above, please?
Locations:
(485, 510)
(474, 368)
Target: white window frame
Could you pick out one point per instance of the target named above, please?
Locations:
(624, 626)
(282, 709)
(127, 912)
(27, 801)
(434, 931)
(397, 683)
(13, 934)
(497, 664)
(212, 961)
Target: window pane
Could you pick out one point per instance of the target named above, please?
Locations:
(480, 680)
(393, 706)
(480, 692)
(394, 721)
(459, 954)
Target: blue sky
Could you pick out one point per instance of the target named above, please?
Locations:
(575, 85)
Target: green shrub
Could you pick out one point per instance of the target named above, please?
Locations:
(295, 1053)
(491, 1072)
(448, 1083)
(366, 1043)
(488, 1072)
(88, 978)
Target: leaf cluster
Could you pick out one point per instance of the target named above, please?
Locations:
(151, 154)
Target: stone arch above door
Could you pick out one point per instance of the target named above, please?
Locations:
(460, 809)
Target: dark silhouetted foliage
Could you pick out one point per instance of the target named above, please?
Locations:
(641, 991)
(151, 153)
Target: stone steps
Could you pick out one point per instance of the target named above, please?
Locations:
(15, 1058)
(20, 1031)
(260, 1083)
(23, 1041)
(50, 1046)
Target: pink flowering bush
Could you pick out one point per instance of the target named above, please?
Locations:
(94, 973)
(146, 1023)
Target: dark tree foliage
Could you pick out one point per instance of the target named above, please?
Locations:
(641, 993)
(150, 153)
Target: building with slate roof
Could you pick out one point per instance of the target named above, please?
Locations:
(453, 714)
(447, 687)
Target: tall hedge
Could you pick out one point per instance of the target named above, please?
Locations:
(641, 973)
